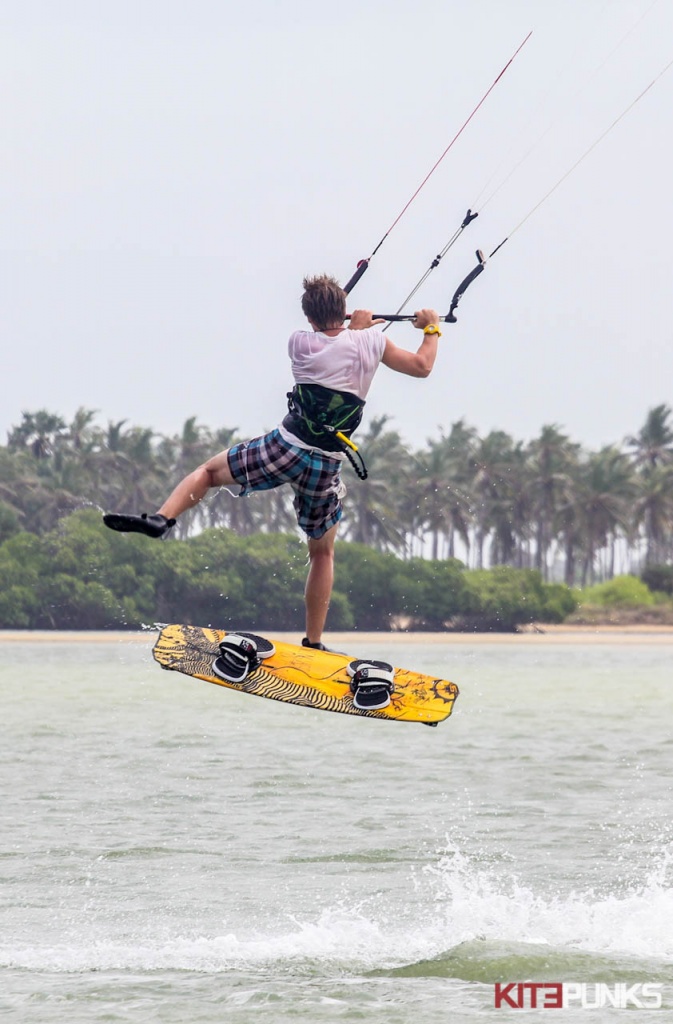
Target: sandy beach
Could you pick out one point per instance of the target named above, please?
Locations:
(543, 635)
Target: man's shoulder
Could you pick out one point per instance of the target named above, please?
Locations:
(371, 338)
(296, 340)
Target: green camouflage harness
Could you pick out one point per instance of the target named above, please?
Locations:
(325, 419)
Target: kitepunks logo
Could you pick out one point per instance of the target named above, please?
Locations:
(538, 995)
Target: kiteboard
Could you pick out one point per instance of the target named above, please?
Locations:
(309, 678)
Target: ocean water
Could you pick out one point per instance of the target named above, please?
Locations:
(172, 852)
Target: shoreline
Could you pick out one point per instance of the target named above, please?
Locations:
(535, 635)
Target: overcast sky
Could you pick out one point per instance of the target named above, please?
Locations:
(171, 170)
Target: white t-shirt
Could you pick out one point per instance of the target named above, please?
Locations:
(346, 362)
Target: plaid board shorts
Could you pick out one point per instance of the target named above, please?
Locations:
(270, 461)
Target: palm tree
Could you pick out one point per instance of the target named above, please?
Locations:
(194, 446)
(570, 527)
(512, 525)
(461, 444)
(493, 488)
(37, 433)
(442, 496)
(551, 459)
(372, 512)
(652, 457)
(144, 481)
(653, 444)
(605, 492)
(80, 433)
(653, 511)
(430, 493)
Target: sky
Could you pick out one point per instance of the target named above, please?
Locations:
(171, 170)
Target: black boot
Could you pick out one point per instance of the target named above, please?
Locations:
(316, 647)
(152, 526)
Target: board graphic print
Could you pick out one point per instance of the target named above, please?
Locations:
(306, 677)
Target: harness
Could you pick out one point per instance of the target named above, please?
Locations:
(325, 419)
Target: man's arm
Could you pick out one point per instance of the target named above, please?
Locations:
(414, 364)
(421, 362)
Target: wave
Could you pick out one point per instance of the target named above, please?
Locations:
(479, 926)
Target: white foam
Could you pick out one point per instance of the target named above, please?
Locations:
(480, 904)
(470, 902)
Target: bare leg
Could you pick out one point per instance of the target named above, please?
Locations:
(319, 583)
(190, 490)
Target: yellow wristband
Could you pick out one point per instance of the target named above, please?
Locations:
(432, 329)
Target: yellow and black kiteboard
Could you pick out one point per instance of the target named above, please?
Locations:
(304, 676)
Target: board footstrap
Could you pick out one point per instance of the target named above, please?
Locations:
(240, 654)
(372, 684)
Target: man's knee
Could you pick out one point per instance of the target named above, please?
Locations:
(320, 554)
(216, 470)
(322, 547)
(209, 473)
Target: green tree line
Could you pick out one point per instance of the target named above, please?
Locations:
(572, 514)
(82, 576)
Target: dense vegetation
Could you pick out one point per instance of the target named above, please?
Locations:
(536, 512)
(82, 576)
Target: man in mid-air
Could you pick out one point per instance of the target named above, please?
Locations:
(333, 368)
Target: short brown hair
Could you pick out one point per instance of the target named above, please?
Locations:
(323, 301)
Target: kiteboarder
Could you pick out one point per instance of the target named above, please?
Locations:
(333, 367)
